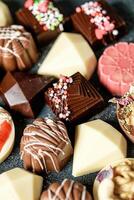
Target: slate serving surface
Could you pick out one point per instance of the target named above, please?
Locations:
(126, 9)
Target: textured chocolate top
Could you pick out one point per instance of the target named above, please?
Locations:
(17, 48)
(68, 94)
(44, 146)
(68, 189)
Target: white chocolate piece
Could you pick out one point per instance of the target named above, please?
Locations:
(18, 184)
(70, 54)
(8, 146)
(5, 15)
(96, 144)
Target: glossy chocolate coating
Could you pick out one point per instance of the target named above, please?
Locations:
(27, 19)
(23, 92)
(82, 24)
(82, 99)
(45, 146)
(17, 48)
(68, 189)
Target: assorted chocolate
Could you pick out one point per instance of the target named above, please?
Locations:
(17, 48)
(7, 134)
(45, 146)
(76, 57)
(23, 92)
(42, 18)
(116, 68)
(5, 15)
(125, 112)
(97, 144)
(115, 181)
(66, 98)
(68, 189)
(98, 22)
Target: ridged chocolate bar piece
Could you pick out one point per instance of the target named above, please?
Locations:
(98, 22)
(23, 92)
(72, 98)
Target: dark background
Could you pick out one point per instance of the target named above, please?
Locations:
(126, 9)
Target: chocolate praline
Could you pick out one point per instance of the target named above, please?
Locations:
(45, 146)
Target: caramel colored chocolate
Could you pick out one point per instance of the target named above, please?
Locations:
(17, 48)
(98, 22)
(72, 98)
(23, 92)
(45, 146)
(68, 189)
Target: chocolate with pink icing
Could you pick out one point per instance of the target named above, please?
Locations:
(45, 146)
(17, 48)
(67, 190)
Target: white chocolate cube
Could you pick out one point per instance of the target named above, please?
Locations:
(70, 54)
(18, 184)
(96, 145)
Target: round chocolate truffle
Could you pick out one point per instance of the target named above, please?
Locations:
(17, 48)
(45, 146)
(68, 189)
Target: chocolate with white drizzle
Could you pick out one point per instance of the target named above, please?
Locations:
(17, 48)
(45, 146)
(67, 190)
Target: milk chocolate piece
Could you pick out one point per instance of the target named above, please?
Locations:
(45, 146)
(68, 189)
(44, 20)
(12, 182)
(115, 181)
(23, 92)
(98, 22)
(17, 48)
(72, 98)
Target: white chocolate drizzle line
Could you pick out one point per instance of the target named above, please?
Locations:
(33, 141)
(13, 33)
(50, 193)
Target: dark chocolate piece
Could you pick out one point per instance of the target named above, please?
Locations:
(45, 146)
(68, 189)
(23, 92)
(98, 22)
(17, 48)
(44, 20)
(72, 98)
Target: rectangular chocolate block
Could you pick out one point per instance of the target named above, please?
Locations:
(98, 22)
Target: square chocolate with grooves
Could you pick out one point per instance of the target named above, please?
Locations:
(98, 22)
(84, 102)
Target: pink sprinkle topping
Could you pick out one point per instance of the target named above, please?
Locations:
(99, 17)
(58, 97)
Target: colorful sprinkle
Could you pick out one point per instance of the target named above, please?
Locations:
(99, 17)
(47, 15)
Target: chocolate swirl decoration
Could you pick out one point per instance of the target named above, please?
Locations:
(67, 190)
(17, 48)
(45, 146)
